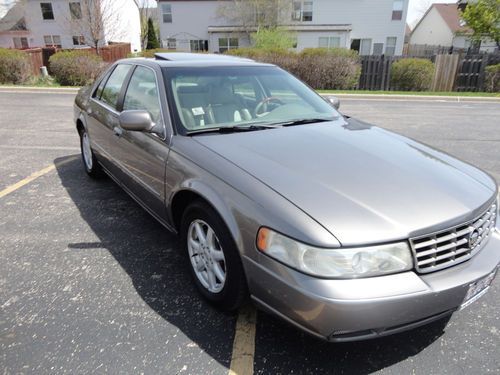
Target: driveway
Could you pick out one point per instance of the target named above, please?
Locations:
(90, 283)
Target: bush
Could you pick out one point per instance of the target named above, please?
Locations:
(273, 38)
(320, 68)
(75, 68)
(15, 66)
(492, 78)
(412, 75)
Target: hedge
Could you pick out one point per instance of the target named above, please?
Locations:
(492, 78)
(321, 68)
(75, 68)
(15, 66)
(412, 74)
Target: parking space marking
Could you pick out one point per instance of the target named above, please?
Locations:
(34, 176)
(243, 354)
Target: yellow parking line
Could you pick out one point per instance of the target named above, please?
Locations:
(244, 343)
(33, 177)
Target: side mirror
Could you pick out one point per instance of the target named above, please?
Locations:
(333, 101)
(136, 120)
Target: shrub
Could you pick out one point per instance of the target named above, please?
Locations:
(75, 68)
(412, 74)
(320, 68)
(272, 39)
(15, 66)
(492, 78)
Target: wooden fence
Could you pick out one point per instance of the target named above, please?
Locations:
(110, 53)
(453, 71)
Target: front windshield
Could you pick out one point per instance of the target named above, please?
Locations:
(225, 97)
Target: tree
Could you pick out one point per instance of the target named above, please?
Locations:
(253, 15)
(153, 42)
(483, 17)
(96, 21)
(146, 12)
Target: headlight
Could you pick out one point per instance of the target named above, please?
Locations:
(336, 263)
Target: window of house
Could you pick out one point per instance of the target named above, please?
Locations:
(397, 10)
(363, 46)
(378, 49)
(329, 42)
(226, 44)
(142, 93)
(75, 10)
(78, 40)
(198, 45)
(302, 11)
(20, 42)
(52, 41)
(47, 12)
(171, 43)
(166, 11)
(390, 46)
(114, 84)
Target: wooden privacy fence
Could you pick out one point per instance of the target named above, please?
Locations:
(376, 72)
(470, 76)
(110, 53)
(453, 72)
(445, 73)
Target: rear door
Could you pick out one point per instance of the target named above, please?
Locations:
(142, 156)
(102, 114)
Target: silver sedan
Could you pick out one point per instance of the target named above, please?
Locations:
(343, 229)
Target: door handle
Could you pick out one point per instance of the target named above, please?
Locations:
(117, 131)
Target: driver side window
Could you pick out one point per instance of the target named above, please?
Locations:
(142, 93)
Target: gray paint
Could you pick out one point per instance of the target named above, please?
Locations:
(345, 182)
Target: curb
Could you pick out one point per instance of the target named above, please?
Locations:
(384, 97)
(434, 98)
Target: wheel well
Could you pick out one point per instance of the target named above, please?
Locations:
(179, 204)
(79, 126)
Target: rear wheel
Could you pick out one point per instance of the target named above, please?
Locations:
(90, 163)
(213, 257)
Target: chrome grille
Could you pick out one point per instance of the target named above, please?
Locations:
(453, 246)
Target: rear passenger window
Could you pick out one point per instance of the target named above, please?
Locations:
(113, 86)
(142, 93)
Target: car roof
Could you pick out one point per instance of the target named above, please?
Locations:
(180, 59)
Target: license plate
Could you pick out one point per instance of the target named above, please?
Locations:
(478, 289)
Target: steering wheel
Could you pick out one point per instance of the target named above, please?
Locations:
(263, 105)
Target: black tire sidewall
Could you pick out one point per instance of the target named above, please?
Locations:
(234, 291)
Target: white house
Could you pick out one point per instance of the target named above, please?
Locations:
(62, 23)
(371, 27)
(441, 25)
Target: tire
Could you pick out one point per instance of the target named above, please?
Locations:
(212, 257)
(90, 162)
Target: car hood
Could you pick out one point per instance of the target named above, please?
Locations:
(362, 183)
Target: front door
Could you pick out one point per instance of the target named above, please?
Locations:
(142, 156)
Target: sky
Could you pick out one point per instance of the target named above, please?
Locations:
(416, 9)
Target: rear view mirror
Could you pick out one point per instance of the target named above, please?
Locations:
(333, 101)
(136, 120)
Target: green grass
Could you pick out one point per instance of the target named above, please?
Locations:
(48, 82)
(416, 93)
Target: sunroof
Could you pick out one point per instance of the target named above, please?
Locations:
(179, 56)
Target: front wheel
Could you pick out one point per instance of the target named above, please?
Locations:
(213, 257)
(90, 163)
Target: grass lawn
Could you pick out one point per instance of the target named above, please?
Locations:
(419, 93)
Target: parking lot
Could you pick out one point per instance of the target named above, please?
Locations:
(90, 283)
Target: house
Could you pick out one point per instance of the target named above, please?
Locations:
(441, 25)
(67, 23)
(370, 27)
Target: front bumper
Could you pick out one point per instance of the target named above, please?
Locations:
(348, 310)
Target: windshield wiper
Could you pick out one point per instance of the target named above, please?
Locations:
(303, 121)
(233, 129)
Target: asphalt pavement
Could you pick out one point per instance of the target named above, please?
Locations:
(90, 283)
